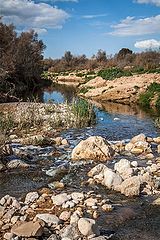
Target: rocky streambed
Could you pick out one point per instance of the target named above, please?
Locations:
(102, 190)
(99, 182)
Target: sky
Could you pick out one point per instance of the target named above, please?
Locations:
(85, 26)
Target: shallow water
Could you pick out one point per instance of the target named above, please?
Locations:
(132, 218)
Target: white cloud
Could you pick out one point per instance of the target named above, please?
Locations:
(155, 2)
(94, 16)
(150, 43)
(131, 26)
(28, 14)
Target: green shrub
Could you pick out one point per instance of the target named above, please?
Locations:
(145, 98)
(112, 73)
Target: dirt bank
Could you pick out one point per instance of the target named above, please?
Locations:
(122, 90)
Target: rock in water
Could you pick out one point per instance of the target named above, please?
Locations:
(93, 148)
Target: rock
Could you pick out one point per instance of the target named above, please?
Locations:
(31, 197)
(60, 199)
(74, 218)
(70, 232)
(88, 227)
(77, 196)
(2, 211)
(53, 237)
(111, 180)
(105, 176)
(64, 142)
(140, 137)
(158, 148)
(48, 218)
(129, 146)
(58, 172)
(134, 164)
(17, 163)
(65, 215)
(56, 185)
(157, 140)
(123, 167)
(107, 207)
(131, 186)
(90, 202)
(58, 140)
(2, 166)
(93, 148)
(8, 236)
(156, 201)
(28, 229)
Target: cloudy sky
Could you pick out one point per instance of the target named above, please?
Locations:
(84, 26)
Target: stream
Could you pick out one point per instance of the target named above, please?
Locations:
(132, 218)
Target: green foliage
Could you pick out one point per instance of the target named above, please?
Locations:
(85, 90)
(145, 98)
(83, 112)
(154, 87)
(112, 73)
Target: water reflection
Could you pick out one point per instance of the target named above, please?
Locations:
(59, 94)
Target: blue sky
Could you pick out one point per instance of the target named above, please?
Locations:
(84, 26)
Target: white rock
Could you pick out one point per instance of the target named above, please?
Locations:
(93, 148)
(88, 227)
(60, 199)
(48, 218)
(31, 197)
(123, 167)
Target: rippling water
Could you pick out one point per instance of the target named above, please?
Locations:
(132, 218)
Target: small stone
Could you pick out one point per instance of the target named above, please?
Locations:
(28, 229)
(107, 207)
(90, 202)
(158, 148)
(134, 164)
(8, 236)
(150, 156)
(88, 227)
(95, 215)
(31, 197)
(48, 218)
(157, 140)
(60, 199)
(65, 215)
(64, 142)
(77, 196)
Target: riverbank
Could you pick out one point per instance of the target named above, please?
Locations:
(124, 89)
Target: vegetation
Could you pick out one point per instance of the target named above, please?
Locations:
(83, 112)
(148, 61)
(152, 91)
(20, 61)
(111, 73)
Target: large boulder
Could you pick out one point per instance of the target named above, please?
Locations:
(93, 148)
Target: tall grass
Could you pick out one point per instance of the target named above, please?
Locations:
(83, 112)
